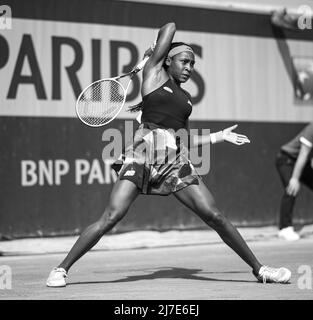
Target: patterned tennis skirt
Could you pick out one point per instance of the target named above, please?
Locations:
(156, 162)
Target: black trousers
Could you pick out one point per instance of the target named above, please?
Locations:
(285, 165)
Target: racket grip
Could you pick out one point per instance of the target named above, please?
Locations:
(141, 64)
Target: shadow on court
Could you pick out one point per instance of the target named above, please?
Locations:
(169, 273)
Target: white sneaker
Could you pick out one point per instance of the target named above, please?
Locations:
(277, 275)
(57, 278)
(288, 234)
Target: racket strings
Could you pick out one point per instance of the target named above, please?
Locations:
(100, 102)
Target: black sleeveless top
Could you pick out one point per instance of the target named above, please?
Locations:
(168, 106)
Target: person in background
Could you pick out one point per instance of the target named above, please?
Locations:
(294, 165)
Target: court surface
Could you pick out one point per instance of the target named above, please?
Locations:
(207, 271)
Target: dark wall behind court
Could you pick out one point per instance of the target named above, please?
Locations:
(242, 179)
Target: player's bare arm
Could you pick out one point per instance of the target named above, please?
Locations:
(153, 73)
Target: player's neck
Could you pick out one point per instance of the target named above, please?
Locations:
(178, 83)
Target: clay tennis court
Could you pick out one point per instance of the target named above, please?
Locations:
(201, 272)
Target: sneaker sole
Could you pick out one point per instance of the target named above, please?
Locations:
(55, 285)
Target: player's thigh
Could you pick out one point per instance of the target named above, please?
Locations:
(198, 198)
(124, 192)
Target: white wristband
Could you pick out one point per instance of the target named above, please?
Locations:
(213, 138)
(217, 137)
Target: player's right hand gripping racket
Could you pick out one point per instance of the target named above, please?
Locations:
(100, 102)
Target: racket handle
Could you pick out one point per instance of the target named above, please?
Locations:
(141, 64)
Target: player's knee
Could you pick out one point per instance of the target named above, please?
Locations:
(113, 215)
(215, 218)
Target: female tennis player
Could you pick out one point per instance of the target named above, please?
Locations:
(157, 162)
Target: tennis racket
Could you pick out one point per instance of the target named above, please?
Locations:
(100, 102)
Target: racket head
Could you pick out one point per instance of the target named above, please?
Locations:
(100, 102)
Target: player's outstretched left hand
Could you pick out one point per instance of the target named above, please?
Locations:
(233, 137)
